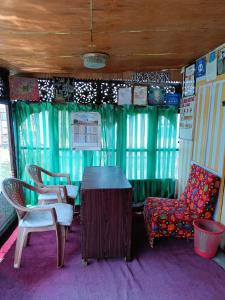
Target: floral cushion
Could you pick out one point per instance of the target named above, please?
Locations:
(174, 217)
(169, 218)
(165, 202)
(201, 191)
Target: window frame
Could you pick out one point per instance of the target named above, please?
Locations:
(9, 121)
(12, 225)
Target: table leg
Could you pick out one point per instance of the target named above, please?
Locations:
(85, 261)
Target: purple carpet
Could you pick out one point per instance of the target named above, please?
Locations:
(169, 272)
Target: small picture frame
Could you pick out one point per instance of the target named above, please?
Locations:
(140, 95)
(156, 96)
(124, 96)
(189, 81)
(211, 66)
(200, 67)
(221, 62)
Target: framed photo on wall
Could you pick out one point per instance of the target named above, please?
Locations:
(140, 95)
(124, 96)
(23, 88)
(221, 62)
(156, 95)
(86, 130)
(189, 81)
(200, 66)
(187, 112)
(211, 66)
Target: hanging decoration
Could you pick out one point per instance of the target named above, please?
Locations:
(109, 91)
(85, 92)
(22, 88)
(46, 90)
(64, 89)
(4, 90)
(149, 77)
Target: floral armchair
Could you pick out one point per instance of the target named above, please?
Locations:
(174, 217)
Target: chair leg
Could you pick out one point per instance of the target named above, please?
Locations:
(67, 230)
(27, 239)
(152, 243)
(61, 237)
(19, 246)
(74, 208)
(77, 213)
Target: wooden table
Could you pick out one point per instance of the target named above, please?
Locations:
(106, 213)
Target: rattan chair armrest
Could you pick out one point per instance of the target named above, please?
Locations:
(50, 190)
(65, 193)
(57, 175)
(63, 187)
(67, 177)
(41, 209)
(54, 185)
(45, 190)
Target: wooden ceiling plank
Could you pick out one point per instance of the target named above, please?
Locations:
(136, 15)
(51, 35)
(46, 23)
(43, 6)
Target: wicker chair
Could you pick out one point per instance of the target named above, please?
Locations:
(56, 216)
(68, 192)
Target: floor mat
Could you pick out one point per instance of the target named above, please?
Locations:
(170, 271)
(220, 259)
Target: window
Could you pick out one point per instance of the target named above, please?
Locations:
(5, 165)
(167, 147)
(137, 146)
(141, 140)
(152, 147)
(6, 210)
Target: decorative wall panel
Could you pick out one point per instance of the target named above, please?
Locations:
(185, 153)
(210, 127)
(46, 89)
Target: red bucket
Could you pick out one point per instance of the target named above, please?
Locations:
(207, 237)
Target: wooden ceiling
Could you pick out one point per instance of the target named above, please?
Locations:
(49, 36)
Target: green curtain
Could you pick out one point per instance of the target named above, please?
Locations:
(141, 140)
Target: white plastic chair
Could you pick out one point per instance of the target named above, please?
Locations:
(57, 216)
(68, 192)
